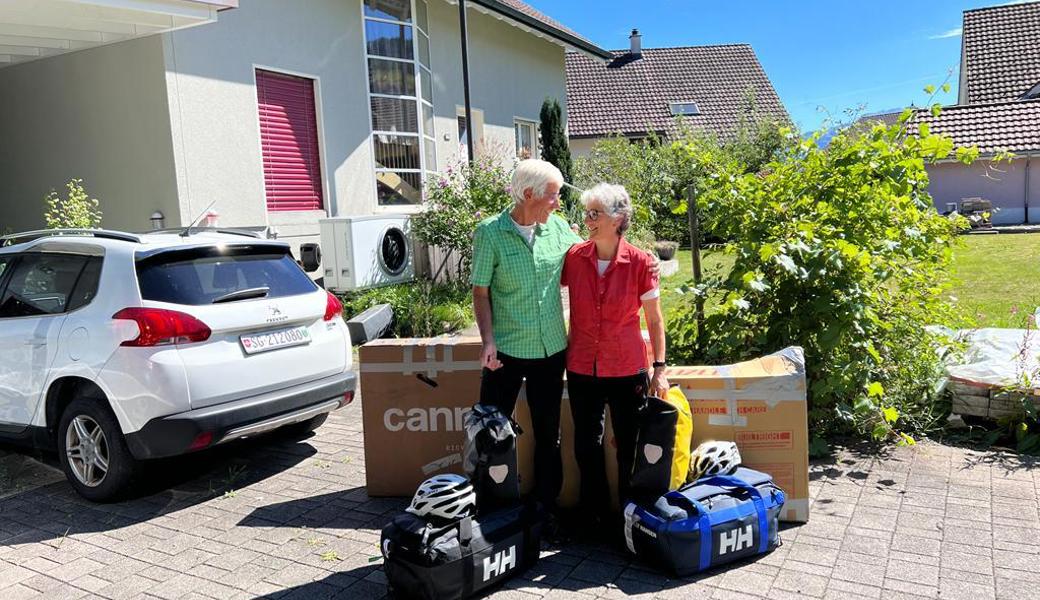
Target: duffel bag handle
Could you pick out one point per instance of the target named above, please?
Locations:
(734, 482)
(703, 524)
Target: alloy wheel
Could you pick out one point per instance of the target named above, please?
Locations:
(87, 450)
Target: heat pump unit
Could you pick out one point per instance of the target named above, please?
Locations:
(366, 251)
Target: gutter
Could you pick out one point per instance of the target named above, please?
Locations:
(533, 23)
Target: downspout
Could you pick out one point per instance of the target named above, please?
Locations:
(1025, 199)
(465, 80)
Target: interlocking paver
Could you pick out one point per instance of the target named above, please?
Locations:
(925, 522)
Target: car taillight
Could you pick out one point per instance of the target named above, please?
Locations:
(159, 327)
(333, 307)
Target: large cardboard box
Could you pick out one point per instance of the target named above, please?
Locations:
(415, 393)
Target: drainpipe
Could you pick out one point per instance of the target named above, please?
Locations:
(1025, 195)
(465, 80)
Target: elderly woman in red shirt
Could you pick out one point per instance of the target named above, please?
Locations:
(609, 280)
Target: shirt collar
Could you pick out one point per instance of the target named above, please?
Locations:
(624, 251)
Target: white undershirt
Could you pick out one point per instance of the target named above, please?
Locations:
(526, 230)
(601, 266)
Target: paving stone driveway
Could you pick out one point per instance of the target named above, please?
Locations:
(290, 518)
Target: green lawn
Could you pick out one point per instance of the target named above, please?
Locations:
(995, 274)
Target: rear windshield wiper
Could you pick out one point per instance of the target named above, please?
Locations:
(257, 292)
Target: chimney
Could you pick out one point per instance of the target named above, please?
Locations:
(637, 43)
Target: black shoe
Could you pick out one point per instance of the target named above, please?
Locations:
(554, 533)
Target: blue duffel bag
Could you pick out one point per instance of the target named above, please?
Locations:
(710, 522)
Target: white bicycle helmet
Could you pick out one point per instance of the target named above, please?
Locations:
(714, 458)
(448, 497)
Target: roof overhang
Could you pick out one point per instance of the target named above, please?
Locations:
(33, 29)
(537, 28)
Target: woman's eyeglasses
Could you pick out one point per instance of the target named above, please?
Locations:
(592, 214)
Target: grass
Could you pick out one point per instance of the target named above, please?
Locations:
(998, 278)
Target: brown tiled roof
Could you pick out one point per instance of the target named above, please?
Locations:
(993, 127)
(530, 11)
(529, 16)
(1001, 52)
(631, 95)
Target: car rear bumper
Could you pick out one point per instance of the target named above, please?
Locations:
(188, 431)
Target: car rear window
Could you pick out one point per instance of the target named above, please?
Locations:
(197, 277)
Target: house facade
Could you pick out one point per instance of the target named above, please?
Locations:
(639, 93)
(998, 111)
(279, 113)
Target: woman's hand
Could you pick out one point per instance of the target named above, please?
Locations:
(659, 383)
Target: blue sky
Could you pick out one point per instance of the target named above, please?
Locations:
(835, 55)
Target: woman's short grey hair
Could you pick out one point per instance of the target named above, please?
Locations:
(535, 175)
(615, 201)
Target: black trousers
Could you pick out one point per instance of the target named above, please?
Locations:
(589, 397)
(544, 391)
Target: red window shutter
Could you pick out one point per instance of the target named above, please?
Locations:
(289, 140)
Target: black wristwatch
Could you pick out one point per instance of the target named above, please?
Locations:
(659, 363)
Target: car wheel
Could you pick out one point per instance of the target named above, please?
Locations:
(304, 427)
(93, 452)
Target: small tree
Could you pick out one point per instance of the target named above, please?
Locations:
(77, 211)
(554, 145)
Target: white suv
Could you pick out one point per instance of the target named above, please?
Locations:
(116, 348)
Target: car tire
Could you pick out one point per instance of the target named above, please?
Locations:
(93, 452)
(304, 427)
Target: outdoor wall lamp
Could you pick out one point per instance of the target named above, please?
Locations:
(158, 220)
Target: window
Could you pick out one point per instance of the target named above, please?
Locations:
(526, 139)
(685, 109)
(42, 284)
(289, 142)
(198, 277)
(464, 131)
(400, 87)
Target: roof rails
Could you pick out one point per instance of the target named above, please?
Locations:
(225, 230)
(28, 236)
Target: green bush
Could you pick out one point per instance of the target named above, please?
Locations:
(838, 250)
(463, 196)
(77, 211)
(421, 308)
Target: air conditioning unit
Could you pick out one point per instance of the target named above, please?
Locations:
(366, 251)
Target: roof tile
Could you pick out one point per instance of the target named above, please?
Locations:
(1001, 52)
(994, 127)
(630, 95)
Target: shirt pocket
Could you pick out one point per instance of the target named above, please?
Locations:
(512, 270)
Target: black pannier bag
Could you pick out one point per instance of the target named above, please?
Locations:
(454, 561)
(489, 457)
(710, 522)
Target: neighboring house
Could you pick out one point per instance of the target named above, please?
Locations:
(640, 93)
(280, 112)
(998, 111)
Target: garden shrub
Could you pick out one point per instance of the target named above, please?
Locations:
(455, 202)
(838, 250)
(421, 308)
(76, 211)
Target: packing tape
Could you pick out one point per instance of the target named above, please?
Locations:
(430, 369)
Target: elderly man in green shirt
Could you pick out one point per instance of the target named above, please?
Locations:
(517, 260)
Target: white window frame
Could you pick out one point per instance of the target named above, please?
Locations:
(421, 72)
(536, 151)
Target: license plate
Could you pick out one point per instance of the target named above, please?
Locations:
(272, 340)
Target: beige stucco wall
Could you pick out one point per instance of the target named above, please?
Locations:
(214, 123)
(99, 115)
(582, 146)
(511, 73)
(1004, 184)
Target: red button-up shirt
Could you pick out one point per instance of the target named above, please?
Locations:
(605, 338)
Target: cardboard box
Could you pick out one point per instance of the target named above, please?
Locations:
(416, 392)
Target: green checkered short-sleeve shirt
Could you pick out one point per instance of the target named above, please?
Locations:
(524, 282)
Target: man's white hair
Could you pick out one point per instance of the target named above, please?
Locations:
(615, 201)
(535, 175)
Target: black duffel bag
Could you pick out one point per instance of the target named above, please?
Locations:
(489, 458)
(454, 561)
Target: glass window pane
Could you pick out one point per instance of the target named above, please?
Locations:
(388, 39)
(399, 188)
(420, 14)
(399, 10)
(431, 154)
(396, 151)
(41, 285)
(427, 87)
(427, 115)
(391, 77)
(424, 50)
(393, 114)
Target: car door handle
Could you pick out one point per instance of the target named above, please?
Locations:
(36, 342)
